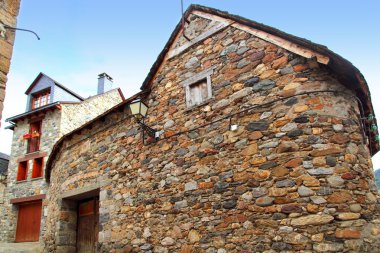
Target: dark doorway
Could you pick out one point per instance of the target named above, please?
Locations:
(88, 227)
(28, 222)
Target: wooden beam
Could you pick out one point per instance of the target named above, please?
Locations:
(32, 156)
(276, 40)
(292, 47)
(203, 36)
(211, 17)
(27, 199)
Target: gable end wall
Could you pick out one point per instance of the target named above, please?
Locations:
(295, 175)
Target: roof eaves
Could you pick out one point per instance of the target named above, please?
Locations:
(4, 156)
(39, 109)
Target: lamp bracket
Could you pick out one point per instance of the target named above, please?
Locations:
(150, 131)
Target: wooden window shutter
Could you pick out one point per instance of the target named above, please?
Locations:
(198, 92)
(22, 173)
(37, 170)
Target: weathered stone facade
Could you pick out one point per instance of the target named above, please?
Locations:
(87, 110)
(3, 184)
(8, 13)
(55, 124)
(4, 161)
(295, 176)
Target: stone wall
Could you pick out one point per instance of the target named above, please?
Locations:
(75, 115)
(55, 124)
(3, 184)
(29, 187)
(8, 12)
(294, 176)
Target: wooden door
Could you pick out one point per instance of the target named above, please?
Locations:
(28, 222)
(88, 229)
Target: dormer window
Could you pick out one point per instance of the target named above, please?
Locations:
(40, 99)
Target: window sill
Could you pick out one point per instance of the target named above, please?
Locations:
(193, 107)
(21, 181)
(36, 178)
(32, 153)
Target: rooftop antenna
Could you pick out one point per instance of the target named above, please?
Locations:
(183, 22)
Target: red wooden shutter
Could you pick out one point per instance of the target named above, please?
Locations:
(37, 167)
(22, 173)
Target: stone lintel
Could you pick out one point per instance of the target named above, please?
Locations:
(32, 156)
(85, 192)
(27, 199)
(199, 76)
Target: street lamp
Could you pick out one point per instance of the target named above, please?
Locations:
(139, 110)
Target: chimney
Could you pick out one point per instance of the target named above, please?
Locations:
(104, 83)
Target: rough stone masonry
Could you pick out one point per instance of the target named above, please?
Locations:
(295, 176)
(56, 123)
(8, 12)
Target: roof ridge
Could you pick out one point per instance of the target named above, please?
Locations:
(55, 82)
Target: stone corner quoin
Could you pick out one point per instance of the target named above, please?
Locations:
(295, 174)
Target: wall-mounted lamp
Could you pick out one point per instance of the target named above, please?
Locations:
(139, 110)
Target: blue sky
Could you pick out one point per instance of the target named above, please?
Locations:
(80, 39)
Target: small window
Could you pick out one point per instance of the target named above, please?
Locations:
(35, 132)
(22, 173)
(198, 88)
(198, 93)
(37, 167)
(40, 99)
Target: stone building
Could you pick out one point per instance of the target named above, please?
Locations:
(8, 13)
(264, 145)
(52, 111)
(4, 161)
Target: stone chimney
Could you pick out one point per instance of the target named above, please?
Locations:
(104, 83)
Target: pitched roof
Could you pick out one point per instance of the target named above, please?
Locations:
(348, 74)
(55, 82)
(4, 156)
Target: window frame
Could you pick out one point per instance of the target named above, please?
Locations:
(39, 97)
(40, 167)
(25, 172)
(34, 142)
(194, 80)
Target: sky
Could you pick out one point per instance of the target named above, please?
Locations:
(81, 39)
